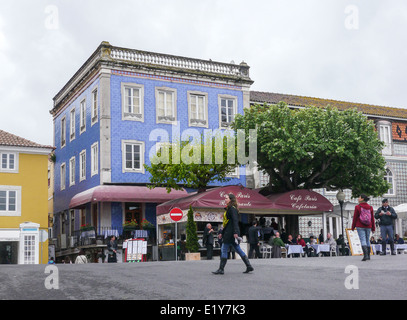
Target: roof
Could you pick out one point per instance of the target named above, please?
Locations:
(300, 101)
(9, 139)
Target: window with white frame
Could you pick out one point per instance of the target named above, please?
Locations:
(234, 173)
(198, 109)
(390, 179)
(82, 117)
(10, 201)
(9, 162)
(72, 171)
(94, 162)
(63, 176)
(133, 101)
(385, 135)
(72, 125)
(133, 156)
(94, 110)
(264, 178)
(63, 132)
(82, 165)
(227, 110)
(166, 105)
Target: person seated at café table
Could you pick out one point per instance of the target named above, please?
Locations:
(332, 243)
(312, 240)
(372, 240)
(398, 240)
(300, 241)
(311, 250)
(290, 241)
(342, 245)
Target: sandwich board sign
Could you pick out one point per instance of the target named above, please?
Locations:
(354, 242)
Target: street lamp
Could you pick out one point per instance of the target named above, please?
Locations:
(341, 198)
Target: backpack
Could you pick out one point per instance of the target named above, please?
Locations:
(365, 216)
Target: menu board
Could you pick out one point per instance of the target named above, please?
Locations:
(135, 249)
(354, 242)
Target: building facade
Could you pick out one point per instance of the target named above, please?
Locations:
(107, 121)
(391, 126)
(23, 200)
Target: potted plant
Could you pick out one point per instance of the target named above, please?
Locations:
(130, 225)
(146, 225)
(192, 244)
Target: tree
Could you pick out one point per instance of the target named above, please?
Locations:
(192, 164)
(192, 244)
(314, 148)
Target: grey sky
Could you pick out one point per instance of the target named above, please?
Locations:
(345, 50)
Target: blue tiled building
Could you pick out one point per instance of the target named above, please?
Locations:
(104, 118)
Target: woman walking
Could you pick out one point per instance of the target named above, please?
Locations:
(363, 221)
(230, 235)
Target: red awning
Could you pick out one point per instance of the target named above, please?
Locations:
(300, 201)
(250, 201)
(112, 193)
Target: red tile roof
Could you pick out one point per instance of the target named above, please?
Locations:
(300, 101)
(8, 139)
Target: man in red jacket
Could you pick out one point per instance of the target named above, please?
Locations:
(363, 221)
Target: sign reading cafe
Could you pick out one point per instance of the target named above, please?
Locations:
(306, 202)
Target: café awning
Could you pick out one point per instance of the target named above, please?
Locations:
(250, 201)
(113, 193)
(300, 201)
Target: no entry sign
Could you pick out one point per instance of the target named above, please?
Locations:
(176, 214)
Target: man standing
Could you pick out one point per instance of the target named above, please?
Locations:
(254, 240)
(208, 241)
(387, 215)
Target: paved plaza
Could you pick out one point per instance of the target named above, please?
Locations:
(323, 278)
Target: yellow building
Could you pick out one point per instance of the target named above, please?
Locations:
(23, 200)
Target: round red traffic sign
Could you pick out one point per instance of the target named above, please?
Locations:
(176, 214)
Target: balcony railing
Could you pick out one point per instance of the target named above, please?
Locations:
(206, 66)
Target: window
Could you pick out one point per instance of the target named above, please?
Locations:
(94, 154)
(94, 111)
(385, 135)
(9, 162)
(133, 156)
(166, 105)
(63, 176)
(264, 178)
(10, 201)
(82, 118)
(227, 110)
(389, 178)
(72, 171)
(63, 132)
(132, 104)
(198, 109)
(72, 222)
(82, 165)
(72, 125)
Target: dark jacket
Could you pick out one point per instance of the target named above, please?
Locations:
(386, 220)
(253, 235)
(232, 226)
(207, 237)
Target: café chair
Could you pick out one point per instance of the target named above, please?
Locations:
(266, 250)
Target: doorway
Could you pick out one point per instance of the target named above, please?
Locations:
(9, 252)
(132, 211)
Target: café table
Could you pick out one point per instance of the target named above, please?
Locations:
(111, 232)
(320, 248)
(294, 249)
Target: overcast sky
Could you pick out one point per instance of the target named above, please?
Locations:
(345, 50)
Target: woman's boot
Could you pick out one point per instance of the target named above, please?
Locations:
(221, 266)
(364, 249)
(248, 265)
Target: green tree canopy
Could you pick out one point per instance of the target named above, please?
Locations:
(313, 148)
(192, 164)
